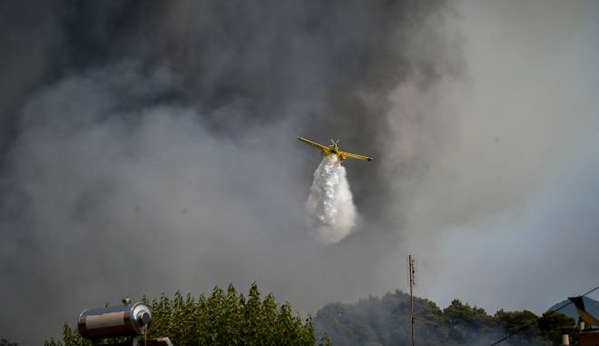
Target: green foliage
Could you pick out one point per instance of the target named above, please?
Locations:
(71, 337)
(471, 316)
(223, 318)
(547, 329)
(553, 324)
(386, 321)
(523, 322)
(523, 325)
(230, 318)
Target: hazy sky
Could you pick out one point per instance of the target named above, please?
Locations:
(150, 147)
(525, 164)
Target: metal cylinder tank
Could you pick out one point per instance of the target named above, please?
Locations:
(122, 320)
(565, 340)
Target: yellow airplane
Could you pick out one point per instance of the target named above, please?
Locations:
(334, 149)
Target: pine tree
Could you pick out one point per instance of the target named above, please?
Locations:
(220, 319)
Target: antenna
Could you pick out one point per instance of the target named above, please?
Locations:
(411, 273)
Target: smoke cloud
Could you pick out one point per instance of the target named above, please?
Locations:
(149, 147)
(500, 217)
(330, 205)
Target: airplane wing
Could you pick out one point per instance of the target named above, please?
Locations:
(356, 156)
(325, 149)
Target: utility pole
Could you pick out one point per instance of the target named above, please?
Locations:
(412, 271)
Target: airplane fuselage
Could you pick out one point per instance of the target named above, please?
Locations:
(333, 149)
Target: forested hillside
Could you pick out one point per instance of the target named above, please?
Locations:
(230, 318)
(386, 321)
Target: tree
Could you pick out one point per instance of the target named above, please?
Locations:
(524, 322)
(473, 317)
(553, 324)
(386, 321)
(220, 319)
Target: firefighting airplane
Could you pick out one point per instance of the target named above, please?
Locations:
(334, 149)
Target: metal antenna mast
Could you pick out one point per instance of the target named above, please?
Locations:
(412, 271)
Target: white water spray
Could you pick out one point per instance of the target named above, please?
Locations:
(330, 206)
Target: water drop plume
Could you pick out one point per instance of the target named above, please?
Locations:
(330, 206)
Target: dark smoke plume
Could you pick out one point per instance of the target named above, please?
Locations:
(150, 146)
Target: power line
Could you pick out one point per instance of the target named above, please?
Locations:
(531, 323)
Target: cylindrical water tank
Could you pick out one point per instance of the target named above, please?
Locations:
(565, 340)
(122, 320)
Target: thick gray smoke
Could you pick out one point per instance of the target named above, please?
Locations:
(150, 146)
(330, 205)
(506, 215)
